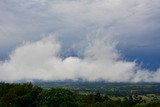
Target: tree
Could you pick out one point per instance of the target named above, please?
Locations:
(98, 97)
(57, 97)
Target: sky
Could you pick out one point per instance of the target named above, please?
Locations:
(110, 40)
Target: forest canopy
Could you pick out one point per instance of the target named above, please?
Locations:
(28, 95)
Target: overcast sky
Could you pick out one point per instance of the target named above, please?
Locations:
(82, 32)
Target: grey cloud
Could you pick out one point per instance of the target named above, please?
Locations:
(28, 20)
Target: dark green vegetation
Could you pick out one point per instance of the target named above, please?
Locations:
(28, 95)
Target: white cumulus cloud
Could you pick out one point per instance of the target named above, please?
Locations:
(40, 60)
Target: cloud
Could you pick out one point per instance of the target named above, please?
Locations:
(40, 60)
(93, 28)
(130, 22)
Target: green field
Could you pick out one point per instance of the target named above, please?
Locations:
(111, 89)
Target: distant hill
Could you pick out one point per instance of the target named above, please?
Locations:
(117, 89)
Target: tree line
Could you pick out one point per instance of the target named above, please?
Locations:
(28, 95)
